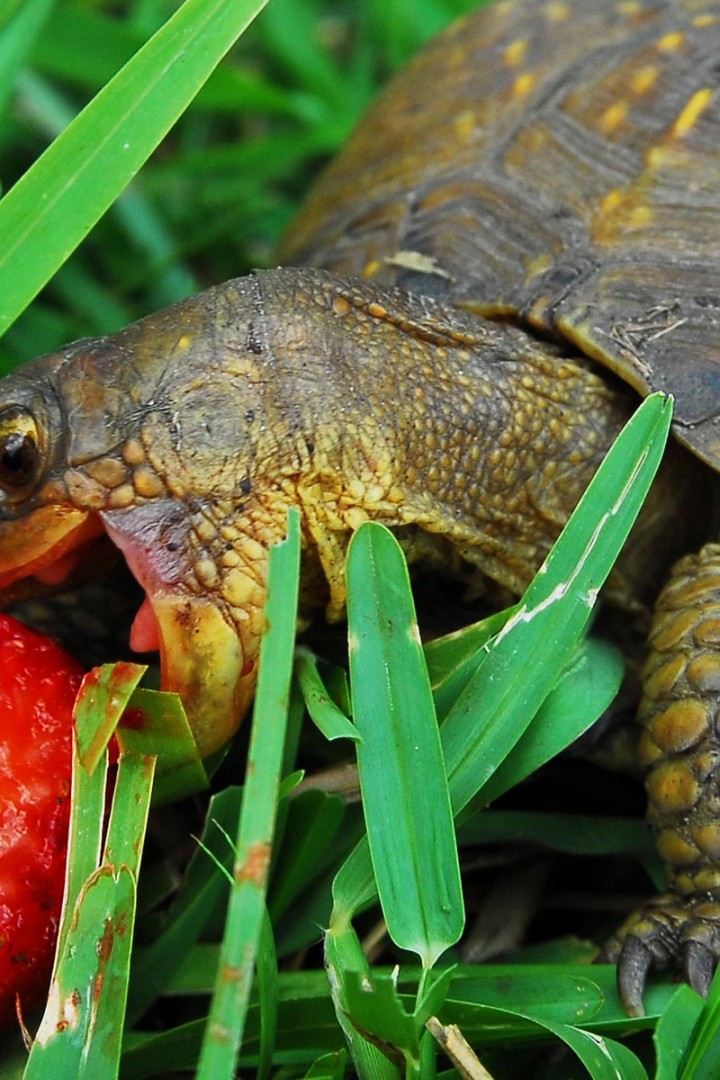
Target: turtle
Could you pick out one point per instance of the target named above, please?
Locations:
(521, 239)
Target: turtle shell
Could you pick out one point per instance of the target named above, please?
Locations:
(557, 163)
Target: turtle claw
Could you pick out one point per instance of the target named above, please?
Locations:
(699, 963)
(669, 932)
(633, 967)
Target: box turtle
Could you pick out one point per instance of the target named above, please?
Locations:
(522, 236)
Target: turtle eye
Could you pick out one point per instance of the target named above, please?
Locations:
(19, 449)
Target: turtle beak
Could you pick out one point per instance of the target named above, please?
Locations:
(44, 545)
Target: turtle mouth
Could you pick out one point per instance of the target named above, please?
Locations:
(42, 561)
(44, 552)
(202, 657)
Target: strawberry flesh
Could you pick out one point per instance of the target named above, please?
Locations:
(38, 684)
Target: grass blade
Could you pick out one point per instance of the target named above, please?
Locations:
(402, 773)
(324, 713)
(344, 955)
(154, 964)
(104, 694)
(156, 720)
(81, 1030)
(19, 27)
(674, 1035)
(246, 909)
(702, 1056)
(526, 658)
(596, 673)
(81, 1037)
(68, 189)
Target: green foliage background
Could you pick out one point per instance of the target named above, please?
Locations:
(214, 198)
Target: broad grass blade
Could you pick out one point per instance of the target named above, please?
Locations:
(702, 1057)
(155, 721)
(103, 697)
(80, 1032)
(675, 1036)
(402, 773)
(344, 955)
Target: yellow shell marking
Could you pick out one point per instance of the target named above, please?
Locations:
(644, 79)
(515, 52)
(640, 217)
(556, 11)
(671, 42)
(524, 84)
(611, 201)
(613, 116)
(465, 125)
(691, 113)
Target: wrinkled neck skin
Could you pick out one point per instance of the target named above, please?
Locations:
(189, 434)
(286, 388)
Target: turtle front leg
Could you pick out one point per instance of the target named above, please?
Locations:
(679, 752)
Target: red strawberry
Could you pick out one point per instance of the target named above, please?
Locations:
(38, 684)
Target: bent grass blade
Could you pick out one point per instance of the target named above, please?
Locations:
(526, 658)
(81, 1031)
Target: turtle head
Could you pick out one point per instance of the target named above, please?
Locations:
(145, 443)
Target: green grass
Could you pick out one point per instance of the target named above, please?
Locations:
(215, 198)
(210, 203)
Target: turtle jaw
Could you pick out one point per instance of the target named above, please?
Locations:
(43, 546)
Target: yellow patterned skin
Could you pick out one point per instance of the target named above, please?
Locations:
(521, 237)
(679, 754)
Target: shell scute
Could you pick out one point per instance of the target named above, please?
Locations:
(556, 163)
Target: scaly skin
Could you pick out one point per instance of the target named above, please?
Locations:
(679, 752)
(276, 391)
